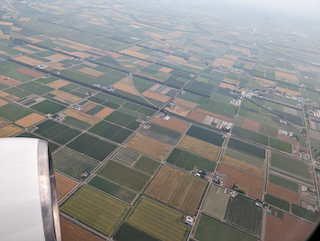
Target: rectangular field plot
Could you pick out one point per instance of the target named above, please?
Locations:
(200, 148)
(188, 161)
(250, 135)
(290, 165)
(283, 193)
(148, 214)
(129, 233)
(87, 204)
(64, 185)
(257, 162)
(124, 176)
(146, 165)
(284, 183)
(73, 163)
(71, 232)
(277, 202)
(209, 227)
(254, 183)
(126, 156)
(149, 147)
(205, 135)
(243, 166)
(112, 189)
(243, 213)
(305, 213)
(281, 145)
(216, 202)
(247, 148)
(178, 189)
(76, 123)
(162, 134)
(172, 124)
(13, 113)
(48, 107)
(124, 120)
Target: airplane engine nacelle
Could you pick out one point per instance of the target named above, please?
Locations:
(28, 196)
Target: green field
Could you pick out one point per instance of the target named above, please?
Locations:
(250, 135)
(281, 145)
(161, 134)
(290, 165)
(87, 204)
(112, 189)
(278, 202)
(243, 213)
(284, 183)
(73, 163)
(48, 107)
(13, 113)
(126, 156)
(205, 135)
(123, 119)
(52, 146)
(216, 202)
(247, 148)
(146, 165)
(209, 228)
(305, 213)
(129, 233)
(76, 123)
(188, 161)
(257, 162)
(158, 220)
(124, 176)
(268, 130)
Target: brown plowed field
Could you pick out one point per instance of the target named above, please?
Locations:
(288, 229)
(287, 139)
(9, 130)
(181, 192)
(30, 120)
(170, 186)
(178, 110)
(3, 102)
(8, 81)
(158, 181)
(156, 96)
(64, 185)
(72, 232)
(214, 115)
(196, 116)
(254, 183)
(149, 147)
(194, 197)
(104, 112)
(243, 166)
(198, 147)
(58, 83)
(283, 193)
(172, 124)
(185, 104)
(82, 116)
(251, 125)
(30, 72)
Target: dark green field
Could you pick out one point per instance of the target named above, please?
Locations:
(284, 183)
(205, 135)
(113, 189)
(188, 161)
(124, 176)
(281, 145)
(290, 165)
(162, 134)
(209, 228)
(146, 165)
(126, 156)
(52, 146)
(123, 120)
(129, 233)
(250, 135)
(76, 123)
(247, 148)
(305, 213)
(48, 107)
(278, 202)
(13, 113)
(243, 213)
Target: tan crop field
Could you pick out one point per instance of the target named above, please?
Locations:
(214, 115)
(157, 182)
(104, 112)
(200, 148)
(30, 72)
(172, 124)
(227, 86)
(125, 88)
(225, 62)
(156, 96)
(196, 116)
(286, 76)
(178, 110)
(3, 102)
(134, 54)
(194, 197)
(180, 194)
(59, 57)
(58, 83)
(88, 106)
(292, 92)
(8, 81)
(149, 147)
(3, 123)
(283, 193)
(64, 185)
(185, 104)
(28, 60)
(9, 130)
(82, 116)
(251, 125)
(231, 81)
(30, 120)
(66, 95)
(165, 69)
(243, 166)
(92, 72)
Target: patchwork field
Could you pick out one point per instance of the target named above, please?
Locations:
(254, 183)
(87, 204)
(64, 185)
(200, 148)
(9, 130)
(147, 214)
(162, 134)
(283, 193)
(216, 202)
(172, 124)
(82, 116)
(30, 120)
(149, 147)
